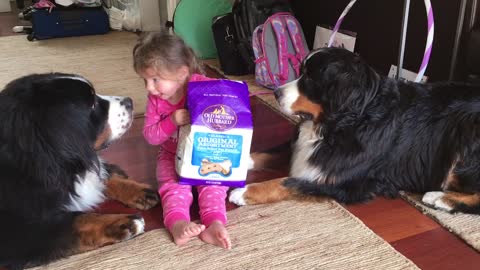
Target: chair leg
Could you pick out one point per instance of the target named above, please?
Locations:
(20, 4)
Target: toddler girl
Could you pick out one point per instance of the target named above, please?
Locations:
(167, 64)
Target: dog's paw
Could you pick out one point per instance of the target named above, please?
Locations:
(132, 194)
(126, 228)
(236, 196)
(140, 197)
(431, 197)
(251, 162)
(95, 230)
(145, 199)
(434, 199)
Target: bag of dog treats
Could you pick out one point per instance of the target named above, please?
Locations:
(215, 148)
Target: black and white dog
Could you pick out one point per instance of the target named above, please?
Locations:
(363, 135)
(52, 126)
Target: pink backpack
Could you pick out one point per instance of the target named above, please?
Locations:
(279, 47)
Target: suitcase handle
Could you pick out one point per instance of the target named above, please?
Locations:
(66, 22)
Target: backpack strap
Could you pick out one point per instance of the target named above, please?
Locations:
(281, 29)
(261, 71)
(278, 28)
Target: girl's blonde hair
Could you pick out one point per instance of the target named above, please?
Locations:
(164, 52)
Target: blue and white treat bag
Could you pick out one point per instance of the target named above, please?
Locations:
(215, 149)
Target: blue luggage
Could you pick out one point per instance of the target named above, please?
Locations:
(68, 22)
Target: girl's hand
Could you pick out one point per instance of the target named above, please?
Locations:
(180, 117)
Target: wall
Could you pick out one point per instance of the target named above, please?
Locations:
(5, 6)
(378, 25)
(150, 15)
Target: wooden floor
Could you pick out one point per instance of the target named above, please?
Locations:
(10, 19)
(410, 232)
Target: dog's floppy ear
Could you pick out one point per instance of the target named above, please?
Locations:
(38, 134)
(21, 144)
(42, 91)
(64, 88)
(15, 131)
(345, 83)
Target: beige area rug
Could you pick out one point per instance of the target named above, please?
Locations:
(287, 235)
(465, 226)
(105, 60)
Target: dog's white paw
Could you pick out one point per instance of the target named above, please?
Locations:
(139, 226)
(434, 199)
(236, 196)
(431, 197)
(251, 163)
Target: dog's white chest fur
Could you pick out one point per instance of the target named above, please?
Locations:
(89, 191)
(308, 139)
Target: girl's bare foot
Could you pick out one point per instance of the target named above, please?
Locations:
(183, 230)
(216, 234)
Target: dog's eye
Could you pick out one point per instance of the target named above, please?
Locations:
(305, 116)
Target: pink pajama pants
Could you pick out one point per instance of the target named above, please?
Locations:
(177, 199)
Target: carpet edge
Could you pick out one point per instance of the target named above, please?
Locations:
(373, 234)
(425, 210)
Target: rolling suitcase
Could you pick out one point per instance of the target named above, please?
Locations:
(68, 22)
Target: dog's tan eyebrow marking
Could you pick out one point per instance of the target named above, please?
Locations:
(303, 104)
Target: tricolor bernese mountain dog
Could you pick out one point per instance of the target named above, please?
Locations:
(51, 127)
(362, 134)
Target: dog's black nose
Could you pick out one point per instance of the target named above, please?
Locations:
(128, 103)
(278, 93)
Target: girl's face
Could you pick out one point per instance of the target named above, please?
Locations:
(170, 86)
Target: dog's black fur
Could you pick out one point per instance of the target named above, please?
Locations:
(50, 129)
(364, 134)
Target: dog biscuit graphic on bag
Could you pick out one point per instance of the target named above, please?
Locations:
(224, 167)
